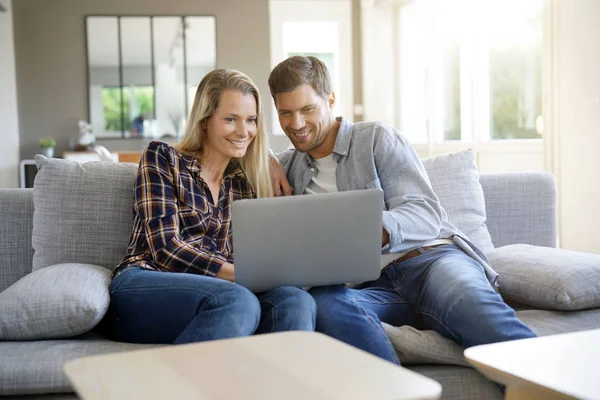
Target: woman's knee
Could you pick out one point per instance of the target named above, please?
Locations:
(239, 299)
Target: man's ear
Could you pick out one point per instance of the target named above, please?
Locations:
(331, 100)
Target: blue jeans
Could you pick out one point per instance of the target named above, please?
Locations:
(159, 307)
(442, 289)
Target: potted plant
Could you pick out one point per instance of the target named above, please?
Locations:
(47, 146)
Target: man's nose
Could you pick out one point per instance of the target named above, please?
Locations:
(297, 121)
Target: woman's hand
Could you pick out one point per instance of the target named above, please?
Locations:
(278, 178)
(227, 272)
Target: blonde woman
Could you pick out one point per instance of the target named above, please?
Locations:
(175, 284)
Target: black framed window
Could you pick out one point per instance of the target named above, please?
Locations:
(143, 72)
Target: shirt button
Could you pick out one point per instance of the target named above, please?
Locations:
(312, 169)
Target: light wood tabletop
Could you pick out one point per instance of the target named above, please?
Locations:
(565, 366)
(289, 365)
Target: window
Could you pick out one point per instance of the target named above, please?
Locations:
(469, 70)
(297, 30)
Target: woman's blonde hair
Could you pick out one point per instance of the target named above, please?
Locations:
(255, 162)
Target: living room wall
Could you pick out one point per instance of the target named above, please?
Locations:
(9, 125)
(49, 42)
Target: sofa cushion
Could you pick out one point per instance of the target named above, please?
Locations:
(59, 301)
(548, 278)
(415, 347)
(83, 213)
(37, 367)
(455, 180)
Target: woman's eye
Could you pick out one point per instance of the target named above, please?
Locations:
(230, 119)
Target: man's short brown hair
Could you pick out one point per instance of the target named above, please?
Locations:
(299, 70)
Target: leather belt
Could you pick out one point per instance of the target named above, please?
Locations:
(415, 252)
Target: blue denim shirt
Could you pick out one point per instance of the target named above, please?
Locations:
(375, 155)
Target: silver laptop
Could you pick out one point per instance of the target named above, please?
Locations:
(307, 240)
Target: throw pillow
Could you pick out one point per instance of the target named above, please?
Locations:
(59, 301)
(83, 213)
(455, 180)
(547, 278)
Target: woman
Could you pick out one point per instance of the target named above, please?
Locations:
(174, 286)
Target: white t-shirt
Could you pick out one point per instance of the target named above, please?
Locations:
(324, 179)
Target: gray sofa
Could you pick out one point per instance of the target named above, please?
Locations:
(82, 216)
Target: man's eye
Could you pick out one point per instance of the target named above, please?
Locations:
(230, 119)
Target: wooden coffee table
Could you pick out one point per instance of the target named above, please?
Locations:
(562, 366)
(289, 365)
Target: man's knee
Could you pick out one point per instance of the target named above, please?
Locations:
(296, 296)
(328, 293)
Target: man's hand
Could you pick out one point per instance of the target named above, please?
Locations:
(281, 186)
(385, 237)
(227, 272)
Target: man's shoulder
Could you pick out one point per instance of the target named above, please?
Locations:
(377, 132)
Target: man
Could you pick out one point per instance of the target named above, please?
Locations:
(432, 277)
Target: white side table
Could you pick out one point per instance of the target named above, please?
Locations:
(565, 366)
(288, 365)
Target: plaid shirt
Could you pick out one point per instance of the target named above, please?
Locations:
(176, 228)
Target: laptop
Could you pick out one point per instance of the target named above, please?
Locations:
(307, 240)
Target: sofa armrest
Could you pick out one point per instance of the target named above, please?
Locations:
(16, 252)
(520, 208)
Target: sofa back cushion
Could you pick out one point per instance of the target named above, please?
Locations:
(455, 180)
(82, 212)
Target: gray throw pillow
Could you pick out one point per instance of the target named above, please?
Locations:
(59, 301)
(455, 180)
(83, 213)
(547, 278)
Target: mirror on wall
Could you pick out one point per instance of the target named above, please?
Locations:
(143, 72)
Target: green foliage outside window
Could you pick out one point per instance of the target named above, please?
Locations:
(111, 97)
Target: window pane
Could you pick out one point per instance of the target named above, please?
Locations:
(413, 37)
(169, 79)
(515, 47)
(104, 81)
(451, 83)
(136, 64)
(111, 100)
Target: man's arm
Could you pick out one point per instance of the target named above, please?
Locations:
(278, 178)
(413, 213)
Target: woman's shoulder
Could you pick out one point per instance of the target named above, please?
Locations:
(157, 152)
(156, 146)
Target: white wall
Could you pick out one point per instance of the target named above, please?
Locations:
(575, 128)
(9, 125)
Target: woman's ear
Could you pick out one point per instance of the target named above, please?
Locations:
(331, 101)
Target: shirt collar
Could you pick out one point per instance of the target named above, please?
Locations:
(342, 141)
(344, 137)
